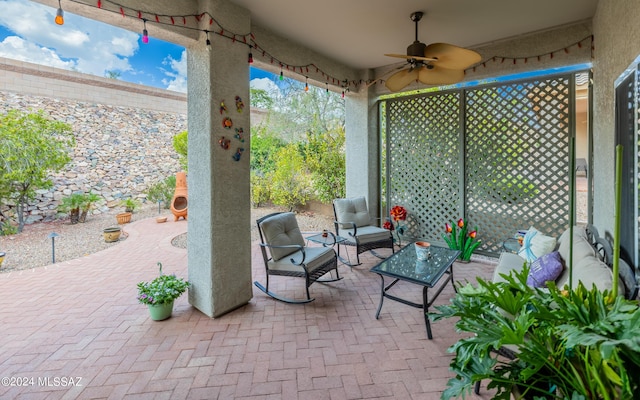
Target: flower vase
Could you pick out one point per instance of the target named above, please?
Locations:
(160, 312)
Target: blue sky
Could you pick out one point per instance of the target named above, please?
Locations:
(28, 33)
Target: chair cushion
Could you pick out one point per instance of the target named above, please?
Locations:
(282, 229)
(545, 268)
(315, 257)
(366, 234)
(581, 246)
(508, 262)
(352, 210)
(590, 270)
(535, 245)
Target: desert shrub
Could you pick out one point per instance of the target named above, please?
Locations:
(260, 189)
(290, 181)
(162, 191)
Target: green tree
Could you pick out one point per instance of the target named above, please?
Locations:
(290, 181)
(261, 99)
(180, 145)
(264, 146)
(31, 147)
(325, 156)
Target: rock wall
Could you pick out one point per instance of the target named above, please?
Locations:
(120, 150)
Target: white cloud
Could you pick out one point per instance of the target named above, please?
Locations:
(87, 46)
(178, 74)
(19, 49)
(267, 85)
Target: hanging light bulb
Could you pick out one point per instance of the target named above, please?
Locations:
(145, 34)
(250, 55)
(59, 15)
(208, 41)
(306, 84)
(281, 76)
(343, 94)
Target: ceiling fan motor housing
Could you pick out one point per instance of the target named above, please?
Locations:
(416, 49)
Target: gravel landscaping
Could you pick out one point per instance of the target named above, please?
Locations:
(33, 248)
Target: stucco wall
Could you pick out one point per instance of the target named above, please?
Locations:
(617, 33)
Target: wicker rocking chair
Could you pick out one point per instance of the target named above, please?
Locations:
(284, 253)
(353, 222)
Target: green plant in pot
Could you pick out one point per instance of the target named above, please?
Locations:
(579, 344)
(160, 293)
(130, 204)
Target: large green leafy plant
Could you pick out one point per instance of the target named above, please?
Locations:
(580, 344)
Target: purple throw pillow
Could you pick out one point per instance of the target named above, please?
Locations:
(545, 268)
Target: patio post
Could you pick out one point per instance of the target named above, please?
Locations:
(363, 148)
(219, 236)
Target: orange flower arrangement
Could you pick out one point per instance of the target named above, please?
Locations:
(398, 214)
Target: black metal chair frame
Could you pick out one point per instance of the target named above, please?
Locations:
(309, 276)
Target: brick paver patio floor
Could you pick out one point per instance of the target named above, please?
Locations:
(79, 320)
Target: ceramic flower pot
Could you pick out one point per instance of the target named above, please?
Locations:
(160, 312)
(2, 255)
(111, 234)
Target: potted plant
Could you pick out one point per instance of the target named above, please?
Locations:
(580, 344)
(464, 241)
(130, 205)
(160, 293)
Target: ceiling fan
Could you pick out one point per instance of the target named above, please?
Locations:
(435, 64)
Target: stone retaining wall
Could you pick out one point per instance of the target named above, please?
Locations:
(120, 150)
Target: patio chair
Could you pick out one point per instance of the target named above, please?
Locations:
(354, 223)
(284, 253)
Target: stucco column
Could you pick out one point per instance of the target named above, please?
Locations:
(363, 148)
(219, 237)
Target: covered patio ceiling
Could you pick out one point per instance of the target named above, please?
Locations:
(358, 33)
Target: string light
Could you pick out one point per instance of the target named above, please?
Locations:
(247, 38)
(59, 15)
(281, 76)
(306, 84)
(342, 94)
(250, 55)
(145, 34)
(208, 41)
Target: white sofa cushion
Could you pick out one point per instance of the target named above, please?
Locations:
(535, 245)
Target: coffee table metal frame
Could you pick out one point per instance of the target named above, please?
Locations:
(404, 266)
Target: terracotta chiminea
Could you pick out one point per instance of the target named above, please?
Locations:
(179, 200)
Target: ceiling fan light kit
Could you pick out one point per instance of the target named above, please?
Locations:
(435, 64)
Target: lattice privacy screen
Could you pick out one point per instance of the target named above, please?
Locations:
(512, 174)
(423, 162)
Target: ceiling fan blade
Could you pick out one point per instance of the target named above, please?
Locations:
(410, 57)
(440, 76)
(401, 79)
(452, 57)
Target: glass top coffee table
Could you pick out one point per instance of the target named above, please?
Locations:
(404, 266)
